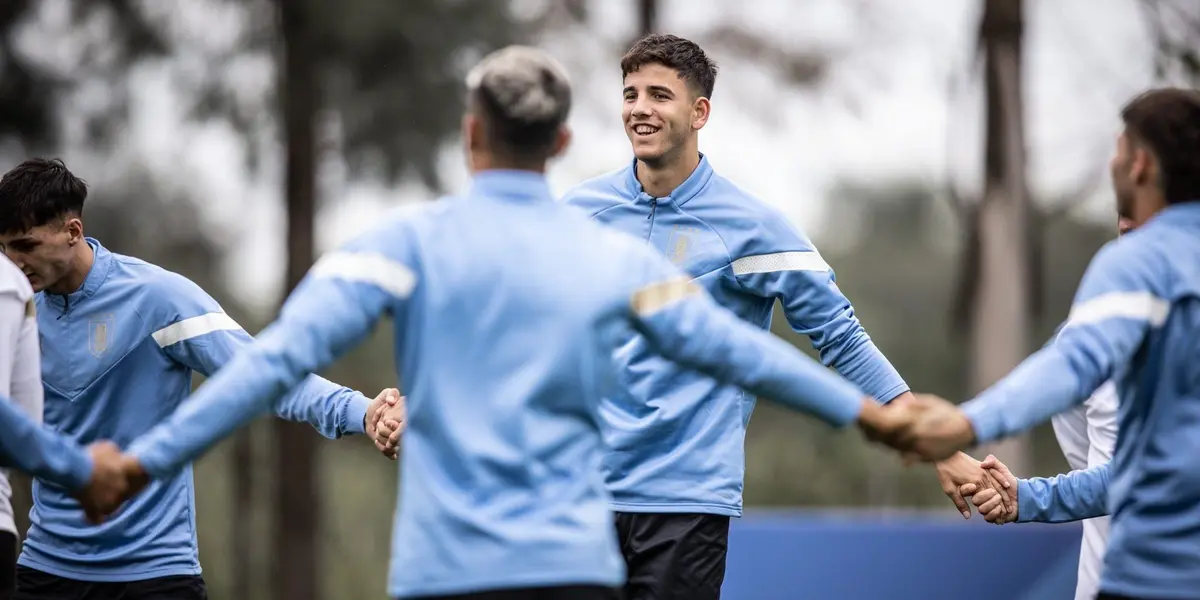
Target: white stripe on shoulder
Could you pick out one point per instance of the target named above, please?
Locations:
(780, 261)
(1140, 306)
(187, 329)
(376, 269)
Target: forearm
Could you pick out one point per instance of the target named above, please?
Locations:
(30, 448)
(1063, 498)
(331, 409)
(857, 358)
(1041, 387)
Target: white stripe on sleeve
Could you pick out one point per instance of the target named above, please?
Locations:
(388, 275)
(194, 327)
(1140, 306)
(780, 261)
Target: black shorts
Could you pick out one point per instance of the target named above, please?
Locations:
(573, 592)
(36, 585)
(673, 556)
(8, 564)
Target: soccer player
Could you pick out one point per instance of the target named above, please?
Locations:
(1087, 434)
(505, 339)
(677, 462)
(120, 340)
(1136, 320)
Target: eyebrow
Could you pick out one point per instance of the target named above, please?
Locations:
(653, 88)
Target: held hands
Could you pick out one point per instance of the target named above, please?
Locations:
(922, 426)
(961, 476)
(988, 501)
(385, 421)
(116, 477)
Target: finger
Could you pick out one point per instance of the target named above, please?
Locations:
(394, 439)
(989, 462)
(995, 483)
(996, 515)
(959, 502)
(391, 396)
(968, 489)
(991, 504)
(1006, 476)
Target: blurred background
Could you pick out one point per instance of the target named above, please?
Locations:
(949, 157)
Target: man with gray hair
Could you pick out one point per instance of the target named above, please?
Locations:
(504, 341)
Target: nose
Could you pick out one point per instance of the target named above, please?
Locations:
(641, 108)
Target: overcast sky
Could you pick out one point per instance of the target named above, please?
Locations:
(884, 113)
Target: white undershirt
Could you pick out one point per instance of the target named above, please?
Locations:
(1087, 434)
(20, 362)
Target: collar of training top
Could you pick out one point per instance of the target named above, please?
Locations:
(1180, 212)
(690, 188)
(512, 184)
(101, 265)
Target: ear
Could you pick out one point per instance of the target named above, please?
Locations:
(561, 141)
(1141, 168)
(472, 130)
(701, 109)
(74, 228)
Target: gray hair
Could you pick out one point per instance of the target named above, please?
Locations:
(522, 84)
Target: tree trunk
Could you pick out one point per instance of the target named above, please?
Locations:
(647, 17)
(1000, 319)
(244, 461)
(297, 506)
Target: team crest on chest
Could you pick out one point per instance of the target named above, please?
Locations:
(100, 332)
(680, 244)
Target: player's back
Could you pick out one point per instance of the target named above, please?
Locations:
(1154, 545)
(505, 348)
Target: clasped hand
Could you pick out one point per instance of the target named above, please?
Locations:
(115, 478)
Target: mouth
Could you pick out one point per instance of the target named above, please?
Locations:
(644, 130)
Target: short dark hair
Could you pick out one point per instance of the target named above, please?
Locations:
(523, 96)
(38, 191)
(684, 56)
(1167, 121)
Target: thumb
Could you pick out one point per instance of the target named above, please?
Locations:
(392, 397)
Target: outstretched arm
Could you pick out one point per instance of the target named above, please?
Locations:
(336, 306)
(33, 449)
(202, 337)
(1121, 299)
(688, 327)
(783, 263)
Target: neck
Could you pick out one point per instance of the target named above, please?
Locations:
(81, 264)
(486, 162)
(1149, 206)
(659, 180)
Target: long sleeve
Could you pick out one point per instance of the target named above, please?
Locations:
(688, 327)
(1071, 496)
(202, 337)
(27, 446)
(1121, 298)
(336, 306)
(788, 267)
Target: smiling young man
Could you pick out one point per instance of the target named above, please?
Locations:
(676, 464)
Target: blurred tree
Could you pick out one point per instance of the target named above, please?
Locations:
(297, 502)
(998, 284)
